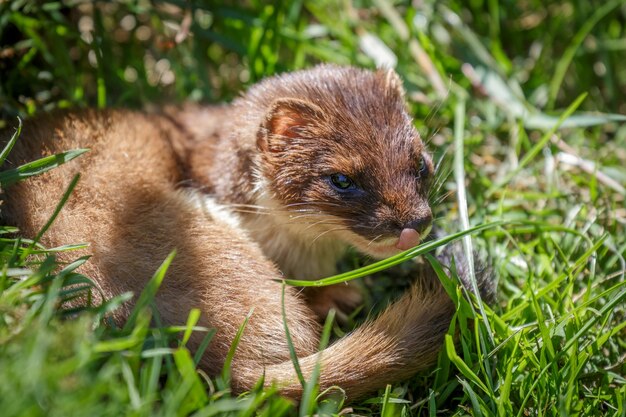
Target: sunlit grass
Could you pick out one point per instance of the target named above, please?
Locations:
(528, 97)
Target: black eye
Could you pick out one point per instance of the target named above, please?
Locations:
(342, 182)
(422, 167)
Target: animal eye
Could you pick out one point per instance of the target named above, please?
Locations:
(422, 167)
(342, 182)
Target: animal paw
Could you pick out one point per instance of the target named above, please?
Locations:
(343, 298)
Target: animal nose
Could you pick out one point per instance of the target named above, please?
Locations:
(412, 232)
(420, 224)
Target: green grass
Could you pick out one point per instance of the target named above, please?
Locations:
(525, 100)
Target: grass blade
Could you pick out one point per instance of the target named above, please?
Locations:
(57, 210)
(150, 290)
(7, 149)
(394, 260)
(461, 365)
(311, 386)
(37, 167)
(233, 348)
(579, 37)
(532, 153)
(192, 320)
(292, 350)
(459, 176)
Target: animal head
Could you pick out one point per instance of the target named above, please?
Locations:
(338, 149)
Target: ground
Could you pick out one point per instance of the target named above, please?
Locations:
(522, 103)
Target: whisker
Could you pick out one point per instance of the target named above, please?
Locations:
(363, 226)
(308, 223)
(322, 222)
(438, 219)
(261, 207)
(188, 181)
(198, 187)
(252, 206)
(431, 136)
(433, 112)
(327, 220)
(327, 231)
(322, 215)
(251, 212)
(374, 239)
(314, 203)
(440, 198)
(311, 215)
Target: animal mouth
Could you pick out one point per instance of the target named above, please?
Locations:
(382, 250)
(384, 247)
(408, 239)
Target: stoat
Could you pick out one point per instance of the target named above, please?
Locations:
(320, 159)
(315, 161)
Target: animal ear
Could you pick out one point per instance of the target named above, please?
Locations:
(286, 119)
(391, 80)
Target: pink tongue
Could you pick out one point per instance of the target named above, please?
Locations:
(408, 239)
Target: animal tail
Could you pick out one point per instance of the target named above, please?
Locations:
(404, 339)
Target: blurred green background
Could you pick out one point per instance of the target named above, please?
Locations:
(486, 79)
(127, 53)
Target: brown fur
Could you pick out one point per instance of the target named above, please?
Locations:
(264, 152)
(278, 143)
